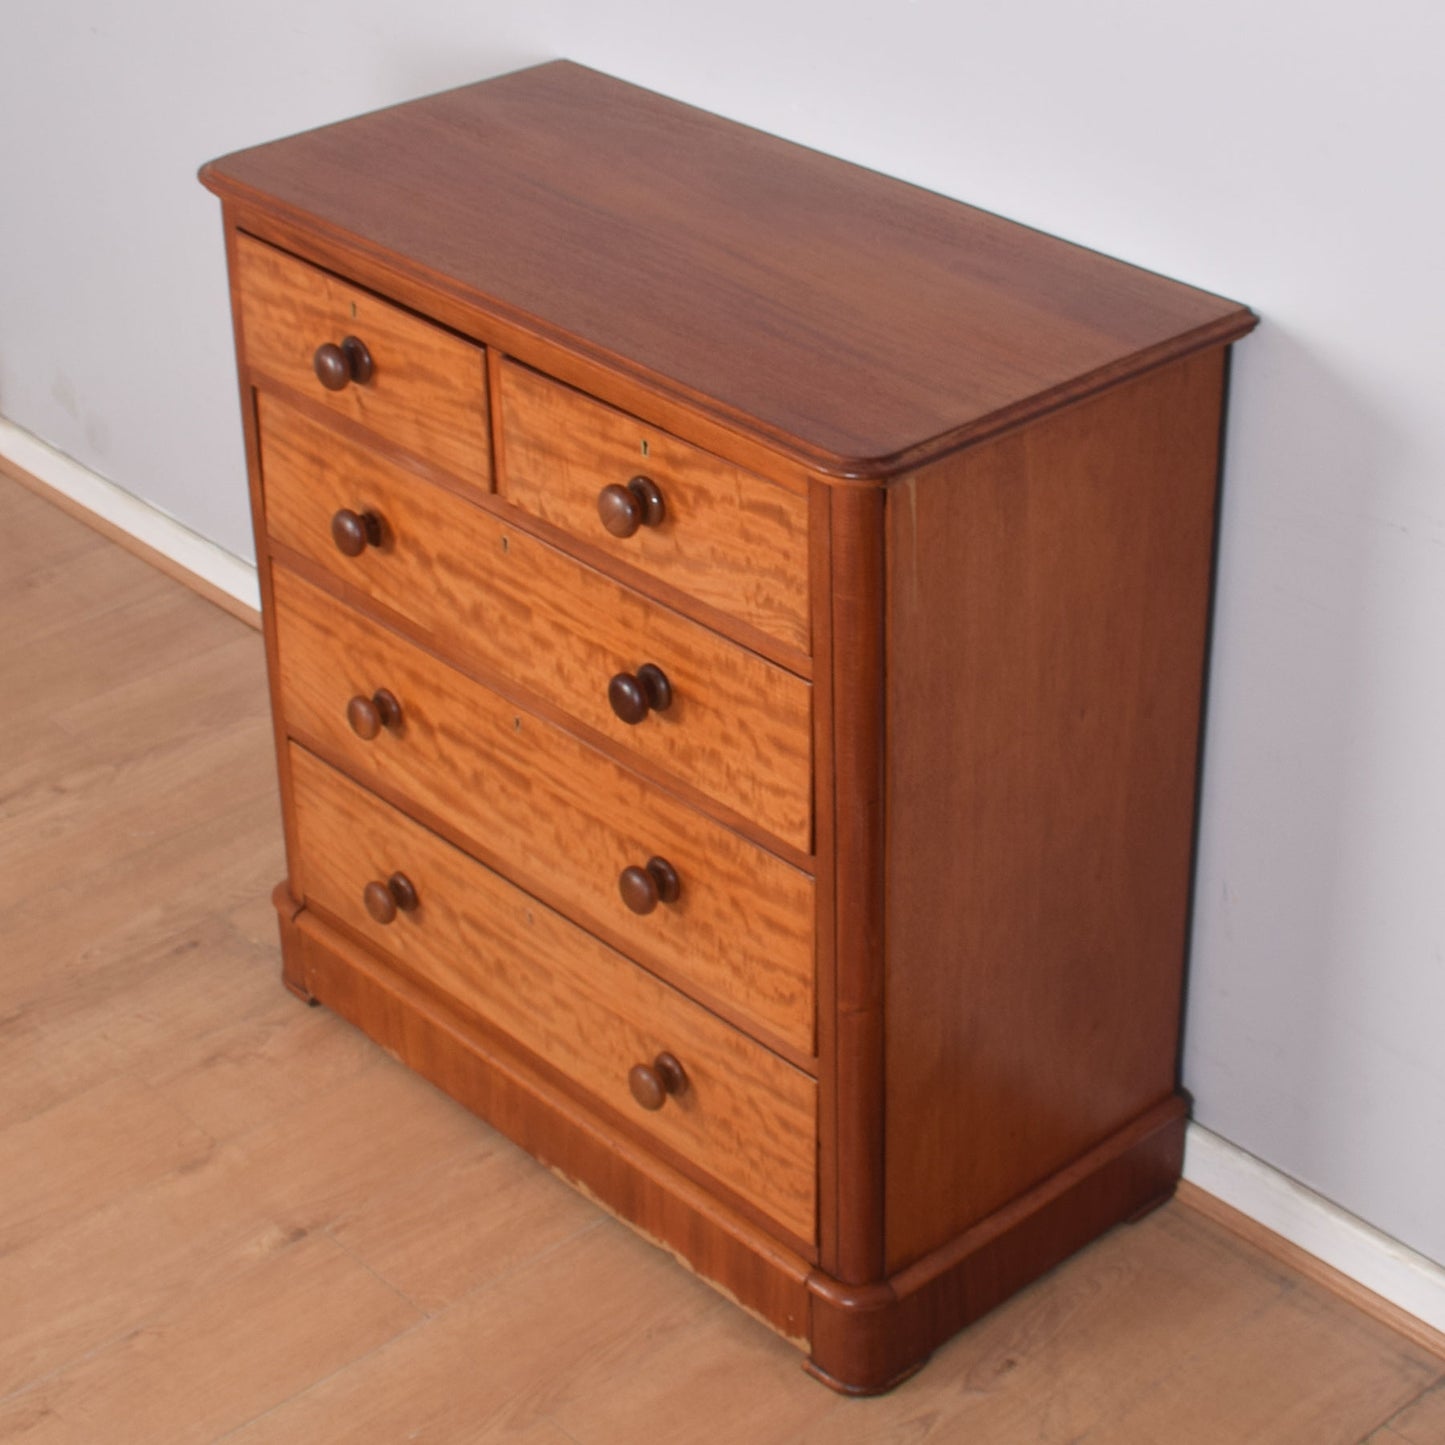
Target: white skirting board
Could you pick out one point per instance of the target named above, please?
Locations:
(1374, 1260)
(147, 524)
(1381, 1264)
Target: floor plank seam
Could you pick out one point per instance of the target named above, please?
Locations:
(40, 1381)
(1286, 1255)
(134, 1295)
(74, 880)
(1201, 1351)
(520, 1266)
(320, 1380)
(1397, 1410)
(423, 1314)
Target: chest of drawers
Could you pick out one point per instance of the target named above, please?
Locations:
(736, 629)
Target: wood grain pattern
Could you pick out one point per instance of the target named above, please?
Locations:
(844, 316)
(1047, 600)
(158, 773)
(54, 1171)
(530, 1103)
(728, 537)
(747, 1117)
(1149, 1311)
(834, 430)
(517, 338)
(493, 596)
(820, 582)
(429, 390)
(555, 815)
(202, 586)
(217, 1359)
(1422, 1422)
(441, 1383)
(206, 1286)
(1261, 1366)
(854, 1069)
(236, 240)
(1311, 1266)
(461, 1221)
(868, 1338)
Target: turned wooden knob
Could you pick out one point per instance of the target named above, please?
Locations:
(337, 366)
(624, 509)
(354, 532)
(633, 695)
(383, 899)
(652, 1083)
(368, 715)
(644, 888)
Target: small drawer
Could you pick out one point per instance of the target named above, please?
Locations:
(723, 535)
(730, 723)
(420, 386)
(554, 815)
(743, 1115)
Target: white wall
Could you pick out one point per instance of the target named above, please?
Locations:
(1284, 154)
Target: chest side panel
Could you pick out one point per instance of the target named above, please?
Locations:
(1047, 597)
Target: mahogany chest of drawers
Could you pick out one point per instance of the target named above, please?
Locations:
(736, 628)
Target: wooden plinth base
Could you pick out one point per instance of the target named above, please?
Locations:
(866, 1340)
(862, 1339)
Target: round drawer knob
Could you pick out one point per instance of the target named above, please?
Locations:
(337, 366)
(643, 889)
(354, 532)
(383, 899)
(368, 715)
(633, 695)
(652, 1083)
(624, 509)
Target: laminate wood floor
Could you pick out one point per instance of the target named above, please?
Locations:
(225, 1216)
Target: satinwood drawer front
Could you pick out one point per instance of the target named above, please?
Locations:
(554, 814)
(743, 1115)
(419, 385)
(735, 726)
(721, 534)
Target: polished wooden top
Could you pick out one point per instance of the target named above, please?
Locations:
(859, 323)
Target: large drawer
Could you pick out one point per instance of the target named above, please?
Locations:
(744, 1116)
(721, 534)
(738, 727)
(426, 389)
(552, 813)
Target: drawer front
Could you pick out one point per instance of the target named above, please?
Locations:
(746, 1117)
(427, 391)
(725, 536)
(552, 813)
(738, 727)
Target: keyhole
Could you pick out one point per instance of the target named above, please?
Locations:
(646, 448)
